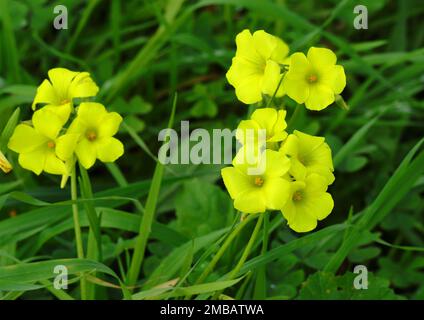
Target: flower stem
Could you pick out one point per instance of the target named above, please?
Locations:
(77, 228)
(209, 268)
(246, 252)
(293, 117)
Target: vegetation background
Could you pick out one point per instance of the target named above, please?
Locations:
(140, 53)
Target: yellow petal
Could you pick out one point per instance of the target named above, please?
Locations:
(65, 145)
(25, 139)
(53, 164)
(236, 181)
(5, 165)
(290, 146)
(321, 56)
(249, 90)
(34, 160)
(315, 184)
(250, 201)
(47, 123)
(320, 97)
(271, 78)
(83, 86)
(63, 111)
(339, 79)
(266, 118)
(109, 125)
(45, 94)
(247, 131)
(91, 113)
(86, 153)
(246, 47)
(242, 68)
(299, 66)
(277, 164)
(109, 149)
(276, 191)
(324, 203)
(269, 46)
(302, 220)
(61, 79)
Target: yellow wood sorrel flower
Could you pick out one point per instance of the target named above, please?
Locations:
(268, 119)
(96, 127)
(63, 87)
(257, 193)
(5, 165)
(308, 154)
(314, 79)
(307, 203)
(255, 69)
(40, 147)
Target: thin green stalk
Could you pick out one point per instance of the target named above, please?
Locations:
(149, 213)
(246, 252)
(77, 227)
(293, 117)
(209, 268)
(260, 285)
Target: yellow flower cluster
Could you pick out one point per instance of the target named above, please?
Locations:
(261, 66)
(286, 172)
(45, 144)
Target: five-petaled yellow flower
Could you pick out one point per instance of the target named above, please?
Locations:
(255, 193)
(308, 202)
(5, 165)
(314, 79)
(308, 154)
(255, 69)
(96, 128)
(40, 147)
(63, 87)
(268, 119)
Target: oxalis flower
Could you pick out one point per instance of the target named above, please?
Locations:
(5, 165)
(255, 69)
(40, 147)
(308, 202)
(308, 154)
(314, 79)
(96, 128)
(268, 119)
(256, 193)
(61, 88)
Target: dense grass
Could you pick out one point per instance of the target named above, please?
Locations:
(141, 53)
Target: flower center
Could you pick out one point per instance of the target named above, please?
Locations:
(51, 144)
(312, 78)
(297, 196)
(91, 135)
(64, 101)
(259, 181)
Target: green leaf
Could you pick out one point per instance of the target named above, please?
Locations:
(201, 208)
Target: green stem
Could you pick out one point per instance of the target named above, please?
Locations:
(246, 252)
(209, 268)
(260, 286)
(77, 227)
(293, 117)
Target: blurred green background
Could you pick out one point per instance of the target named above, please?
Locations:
(141, 52)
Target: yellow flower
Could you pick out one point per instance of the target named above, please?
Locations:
(308, 154)
(255, 69)
(256, 193)
(63, 87)
(5, 165)
(40, 147)
(307, 203)
(96, 127)
(268, 119)
(315, 79)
